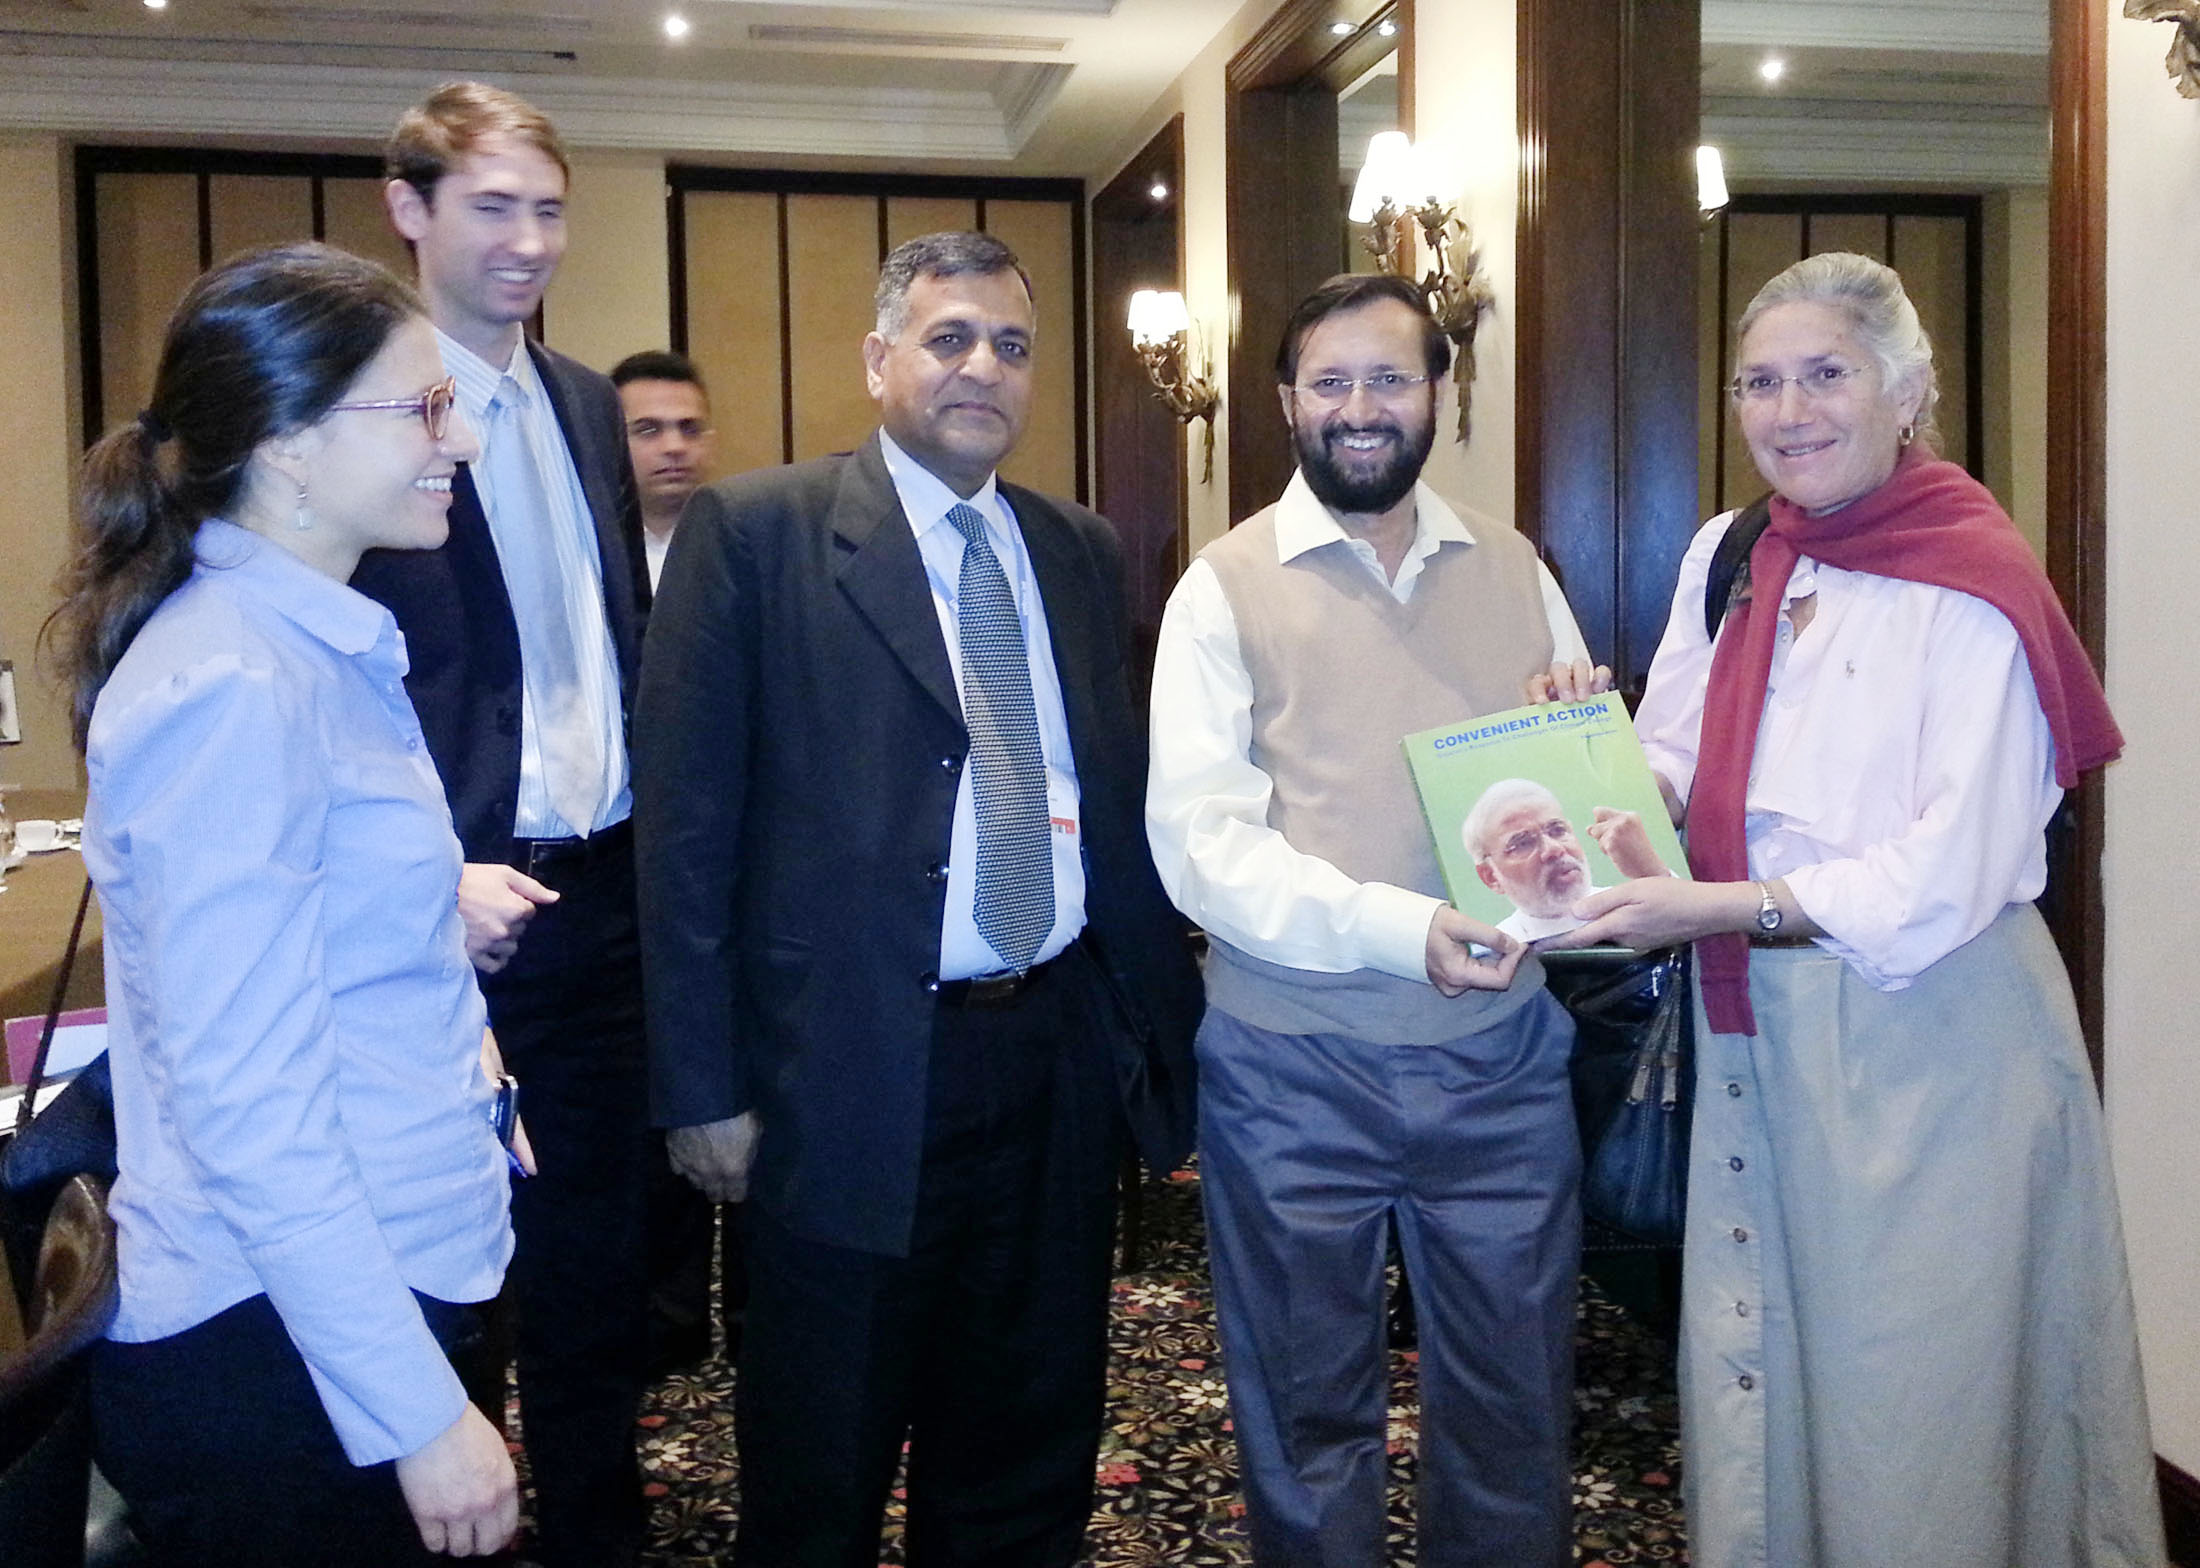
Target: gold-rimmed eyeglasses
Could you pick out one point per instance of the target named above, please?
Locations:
(433, 406)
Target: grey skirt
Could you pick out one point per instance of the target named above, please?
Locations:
(1907, 1334)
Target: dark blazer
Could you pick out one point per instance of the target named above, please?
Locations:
(798, 744)
(461, 639)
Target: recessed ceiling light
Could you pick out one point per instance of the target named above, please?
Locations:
(676, 27)
(156, 5)
(1158, 191)
(1342, 29)
(1386, 29)
(1773, 68)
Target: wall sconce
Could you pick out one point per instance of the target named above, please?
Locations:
(1395, 194)
(1161, 331)
(1710, 183)
(2183, 63)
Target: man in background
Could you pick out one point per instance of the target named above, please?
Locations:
(669, 435)
(524, 632)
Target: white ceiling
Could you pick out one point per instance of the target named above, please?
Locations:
(1034, 86)
(1878, 93)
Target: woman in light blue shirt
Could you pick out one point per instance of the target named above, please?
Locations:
(311, 1190)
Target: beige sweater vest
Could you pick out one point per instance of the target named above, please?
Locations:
(1342, 673)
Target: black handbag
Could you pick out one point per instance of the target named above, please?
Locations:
(1634, 1085)
(74, 1136)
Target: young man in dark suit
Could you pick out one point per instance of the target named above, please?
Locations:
(908, 963)
(523, 633)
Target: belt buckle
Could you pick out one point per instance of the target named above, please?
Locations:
(993, 990)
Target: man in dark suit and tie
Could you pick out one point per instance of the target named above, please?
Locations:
(523, 633)
(909, 968)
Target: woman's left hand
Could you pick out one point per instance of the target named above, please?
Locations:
(1569, 680)
(1659, 912)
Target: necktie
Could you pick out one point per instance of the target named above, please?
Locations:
(1015, 883)
(566, 733)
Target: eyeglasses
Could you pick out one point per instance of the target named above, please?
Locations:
(651, 429)
(1335, 391)
(1528, 840)
(433, 406)
(1816, 384)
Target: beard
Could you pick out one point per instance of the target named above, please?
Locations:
(1344, 486)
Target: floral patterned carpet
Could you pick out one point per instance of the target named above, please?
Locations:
(1168, 1490)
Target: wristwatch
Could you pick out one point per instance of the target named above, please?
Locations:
(1768, 912)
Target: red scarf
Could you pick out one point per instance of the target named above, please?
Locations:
(1930, 522)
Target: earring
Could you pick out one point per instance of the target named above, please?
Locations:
(1902, 437)
(302, 519)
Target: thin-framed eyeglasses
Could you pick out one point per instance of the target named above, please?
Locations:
(1528, 840)
(1386, 386)
(433, 406)
(1816, 384)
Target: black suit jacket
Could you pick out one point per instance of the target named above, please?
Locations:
(798, 745)
(460, 637)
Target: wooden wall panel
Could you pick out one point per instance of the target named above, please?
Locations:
(1040, 235)
(832, 268)
(1864, 233)
(1758, 245)
(353, 216)
(909, 216)
(733, 307)
(248, 210)
(1929, 253)
(148, 253)
(1715, 362)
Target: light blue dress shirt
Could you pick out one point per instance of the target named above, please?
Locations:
(300, 1107)
(926, 501)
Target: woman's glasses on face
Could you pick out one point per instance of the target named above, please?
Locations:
(433, 406)
(1816, 384)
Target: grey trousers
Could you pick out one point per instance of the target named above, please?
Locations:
(1308, 1143)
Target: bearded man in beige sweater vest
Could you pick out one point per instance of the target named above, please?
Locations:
(1369, 1053)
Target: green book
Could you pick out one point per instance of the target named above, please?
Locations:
(1533, 808)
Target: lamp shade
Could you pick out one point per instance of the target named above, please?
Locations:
(1394, 172)
(1710, 180)
(1158, 315)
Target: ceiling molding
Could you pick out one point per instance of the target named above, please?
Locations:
(1005, 7)
(1941, 26)
(210, 98)
(1881, 151)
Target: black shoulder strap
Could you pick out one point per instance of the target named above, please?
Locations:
(1729, 559)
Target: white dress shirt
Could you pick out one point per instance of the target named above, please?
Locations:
(570, 533)
(925, 501)
(1207, 804)
(1904, 773)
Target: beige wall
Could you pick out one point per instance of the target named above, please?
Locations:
(2153, 670)
(613, 292)
(38, 439)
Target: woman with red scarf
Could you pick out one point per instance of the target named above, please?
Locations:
(1907, 1330)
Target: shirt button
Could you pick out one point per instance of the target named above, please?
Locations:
(1741, 1309)
(1735, 1163)
(950, 764)
(1740, 1234)
(1734, 1091)
(1747, 1382)
(930, 981)
(936, 872)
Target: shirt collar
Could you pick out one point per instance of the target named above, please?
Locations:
(925, 497)
(346, 620)
(478, 380)
(1303, 523)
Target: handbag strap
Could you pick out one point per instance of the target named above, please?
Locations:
(28, 1108)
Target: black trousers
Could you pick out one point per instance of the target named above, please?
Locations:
(985, 1348)
(217, 1440)
(567, 1012)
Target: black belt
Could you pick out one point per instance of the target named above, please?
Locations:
(533, 854)
(994, 990)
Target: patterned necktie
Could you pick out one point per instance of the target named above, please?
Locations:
(1015, 893)
(549, 653)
